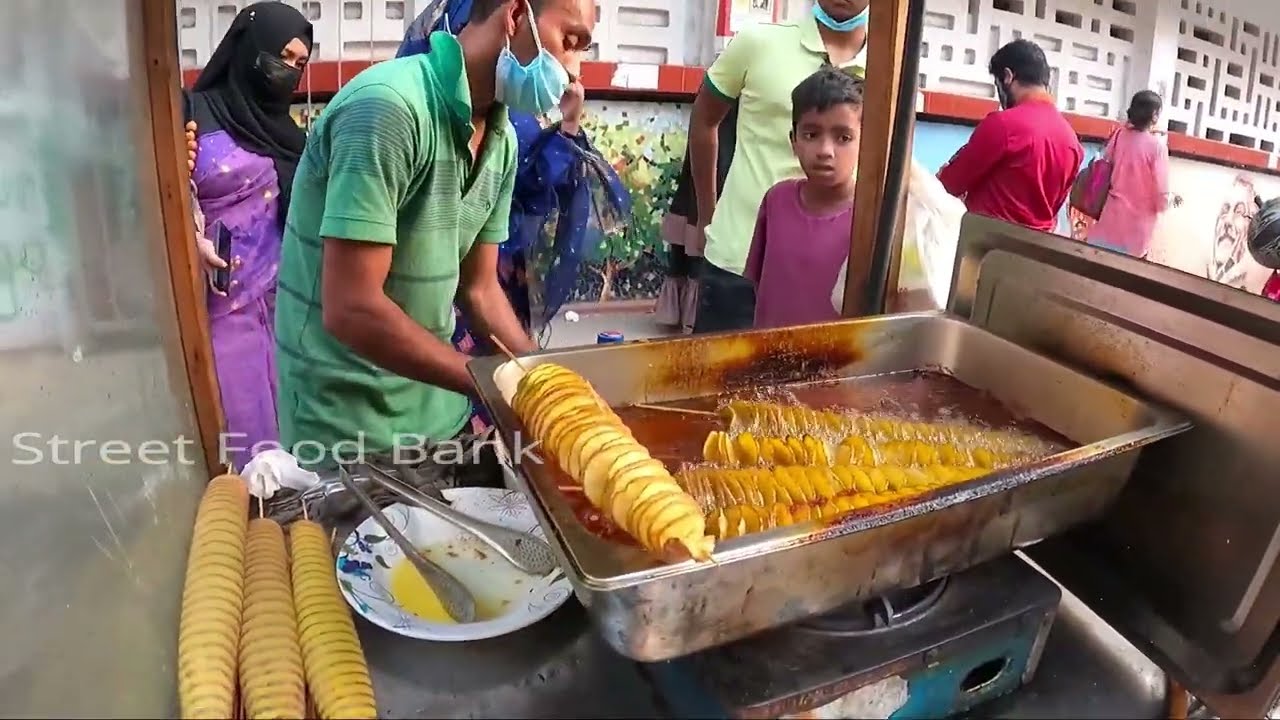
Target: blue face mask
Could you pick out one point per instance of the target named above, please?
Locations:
(849, 25)
(534, 88)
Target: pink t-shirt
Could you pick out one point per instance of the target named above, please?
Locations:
(795, 258)
(1139, 183)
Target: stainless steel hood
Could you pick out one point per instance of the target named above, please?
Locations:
(1185, 563)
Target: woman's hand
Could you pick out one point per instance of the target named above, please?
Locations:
(571, 107)
(190, 133)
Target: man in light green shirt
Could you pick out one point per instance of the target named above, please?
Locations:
(759, 68)
(400, 201)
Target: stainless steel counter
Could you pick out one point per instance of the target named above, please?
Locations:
(560, 668)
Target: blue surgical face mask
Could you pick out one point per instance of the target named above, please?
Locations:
(534, 88)
(849, 25)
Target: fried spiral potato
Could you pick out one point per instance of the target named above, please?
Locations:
(737, 502)
(272, 681)
(747, 450)
(773, 419)
(574, 425)
(212, 602)
(336, 670)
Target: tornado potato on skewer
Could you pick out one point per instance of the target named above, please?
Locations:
(576, 427)
(745, 449)
(212, 602)
(336, 671)
(741, 501)
(773, 419)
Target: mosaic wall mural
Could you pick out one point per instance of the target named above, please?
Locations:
(646, 144)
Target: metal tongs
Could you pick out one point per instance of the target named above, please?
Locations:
(526, 552)
(456, 599)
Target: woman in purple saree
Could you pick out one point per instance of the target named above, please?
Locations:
(248, 147)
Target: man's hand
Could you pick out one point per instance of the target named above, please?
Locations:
(190, 132)
(485, 303)
(358, 313)
(572, 105)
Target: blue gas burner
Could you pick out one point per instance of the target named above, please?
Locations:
(929, 652)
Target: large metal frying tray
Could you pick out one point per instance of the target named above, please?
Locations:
(652, 612)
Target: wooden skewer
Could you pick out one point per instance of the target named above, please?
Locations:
(668, 408)
(507, 351)
(261, 512)
(304, 507)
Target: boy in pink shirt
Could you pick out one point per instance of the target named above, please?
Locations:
(802, 232)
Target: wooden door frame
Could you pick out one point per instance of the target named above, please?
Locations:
(164, 83)
(886, 47)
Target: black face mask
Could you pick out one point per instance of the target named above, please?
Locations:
(275, 78)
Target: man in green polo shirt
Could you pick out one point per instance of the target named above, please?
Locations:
(400, 201)
(758, 69)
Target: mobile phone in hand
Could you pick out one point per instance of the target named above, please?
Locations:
(220, 278)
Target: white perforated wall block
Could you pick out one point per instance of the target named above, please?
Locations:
(1091, 46)
(343, 29)
(642, 31)
(1226, 77)
(673, 32)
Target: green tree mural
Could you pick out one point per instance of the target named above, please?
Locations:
(649, 165)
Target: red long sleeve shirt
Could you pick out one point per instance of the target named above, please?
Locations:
(1018, 165)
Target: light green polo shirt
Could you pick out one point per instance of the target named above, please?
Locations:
(759, 68)
(388, 162)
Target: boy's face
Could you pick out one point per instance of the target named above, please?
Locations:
(826, 143)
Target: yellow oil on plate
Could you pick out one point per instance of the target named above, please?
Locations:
(384, 587)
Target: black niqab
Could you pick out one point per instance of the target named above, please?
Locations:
(229, 96)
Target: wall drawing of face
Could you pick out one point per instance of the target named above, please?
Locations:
(1231, 231)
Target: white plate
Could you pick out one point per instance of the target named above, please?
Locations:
(367, 559)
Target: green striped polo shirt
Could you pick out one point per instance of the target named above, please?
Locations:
(388, 162)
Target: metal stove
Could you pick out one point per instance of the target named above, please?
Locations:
(927, 652)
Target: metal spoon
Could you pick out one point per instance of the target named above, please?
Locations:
(454, 596)
(526, 552)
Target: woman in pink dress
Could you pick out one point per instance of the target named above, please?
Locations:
(1139, 181)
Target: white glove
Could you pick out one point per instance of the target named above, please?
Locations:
(273, 469)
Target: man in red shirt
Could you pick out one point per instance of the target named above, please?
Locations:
(1019, 163)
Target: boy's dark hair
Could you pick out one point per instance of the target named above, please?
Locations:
(1143, 109)
(1025, 60)
(823, 90)
(482, 9)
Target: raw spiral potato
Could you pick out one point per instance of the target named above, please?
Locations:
(747, 450)
(272, 681)
(738, 502)
(212, 602)
(573, 424)
(773, 419)
(336, 671)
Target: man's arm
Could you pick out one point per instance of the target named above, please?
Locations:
(372, 140)
(723, 84)
(755, 255)
(480, 294)
(971, 163)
